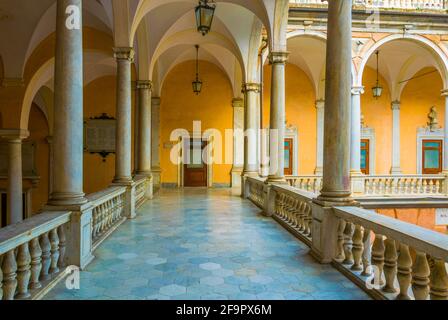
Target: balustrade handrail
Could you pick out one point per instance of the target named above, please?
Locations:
(102, 196)
(18, 234)
(383, 4)
(295, 192)
(421, 239)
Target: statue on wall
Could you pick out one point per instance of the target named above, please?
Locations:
(433, 122)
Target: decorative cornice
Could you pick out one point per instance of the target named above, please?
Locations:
(144, 84)
(278, 57)
(238, 103)
(358, 90)
(124, 53)
(14, 134)
(12, 82)
(251, 87)
(396, 105)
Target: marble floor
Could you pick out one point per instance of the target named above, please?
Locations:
(197, 244)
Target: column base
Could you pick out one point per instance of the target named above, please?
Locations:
(276, 180)
(122, 180)
(329, 199)
(236, 177)
(156, 178)
(67, 199)
(357, 181)
(130, 211)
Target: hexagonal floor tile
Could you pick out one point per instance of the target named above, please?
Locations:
(173, 290)
(212, 281)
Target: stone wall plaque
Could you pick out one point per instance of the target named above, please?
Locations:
(442, 217)
(99, 135)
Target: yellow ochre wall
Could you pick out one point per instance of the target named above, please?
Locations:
(300, 113)
(180, 107)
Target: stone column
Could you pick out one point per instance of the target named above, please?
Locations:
(68, 105)
(277, 118)
(14, 186)
(320, 107)
(123, 174)
(155, 141)
(144, 143)
(355, 149)
(50, 163)
(396, 162)
(238, 141)
(251, 164)
(445, 144)
(336, 173)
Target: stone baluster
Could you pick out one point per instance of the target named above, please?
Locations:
(308, 221)
(348, 243)
(420, 277)
(366, 254)
(439, 281)
(46, 256)
(54, 244)
(23, 271)
(36, 264)
(62, 246)
(404, 272)
(341, 239)
(9, 267)
(358, 248)
(378, 255)
(390, 265)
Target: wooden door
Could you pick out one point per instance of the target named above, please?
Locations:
(365, 156)
(195, 170)
(432, 154)
(289, 156)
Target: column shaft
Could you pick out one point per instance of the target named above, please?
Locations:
(238, 141)
(155, 140)
(68, 104)
(277, 118)
(251, 129)
(144, 155)
(336, 174)
(123, 174)
(396, 162)
(355, 149)
(15, 189)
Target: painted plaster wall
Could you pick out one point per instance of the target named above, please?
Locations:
(180, 107)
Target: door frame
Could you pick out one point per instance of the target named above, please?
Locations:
(426, 134)
(184, 143)
(440, 169)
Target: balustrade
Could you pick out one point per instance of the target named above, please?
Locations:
(307, 183)
(141, 186)
(108, 212)
(32, 253)
(384, 4)
(401, 255)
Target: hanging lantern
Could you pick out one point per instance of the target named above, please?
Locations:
(377, 90)
(204, 16)
(197, 84)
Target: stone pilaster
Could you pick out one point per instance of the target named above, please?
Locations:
(68, 110)
(15, 178)
(355, 158)
(155, 142)
(238, 141)
(445, 145)
(50, 142)
(320, 115)
(396, 161)
(277, 118)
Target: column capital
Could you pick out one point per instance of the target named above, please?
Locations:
(124, 53)
(251, 87)
(144, 84)
(278, 57)
(320, 104)
(396, 105)
(12, 82)
(155, 101)
(358, 90)
(14, 134)
(238, 103)
(445, 92)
